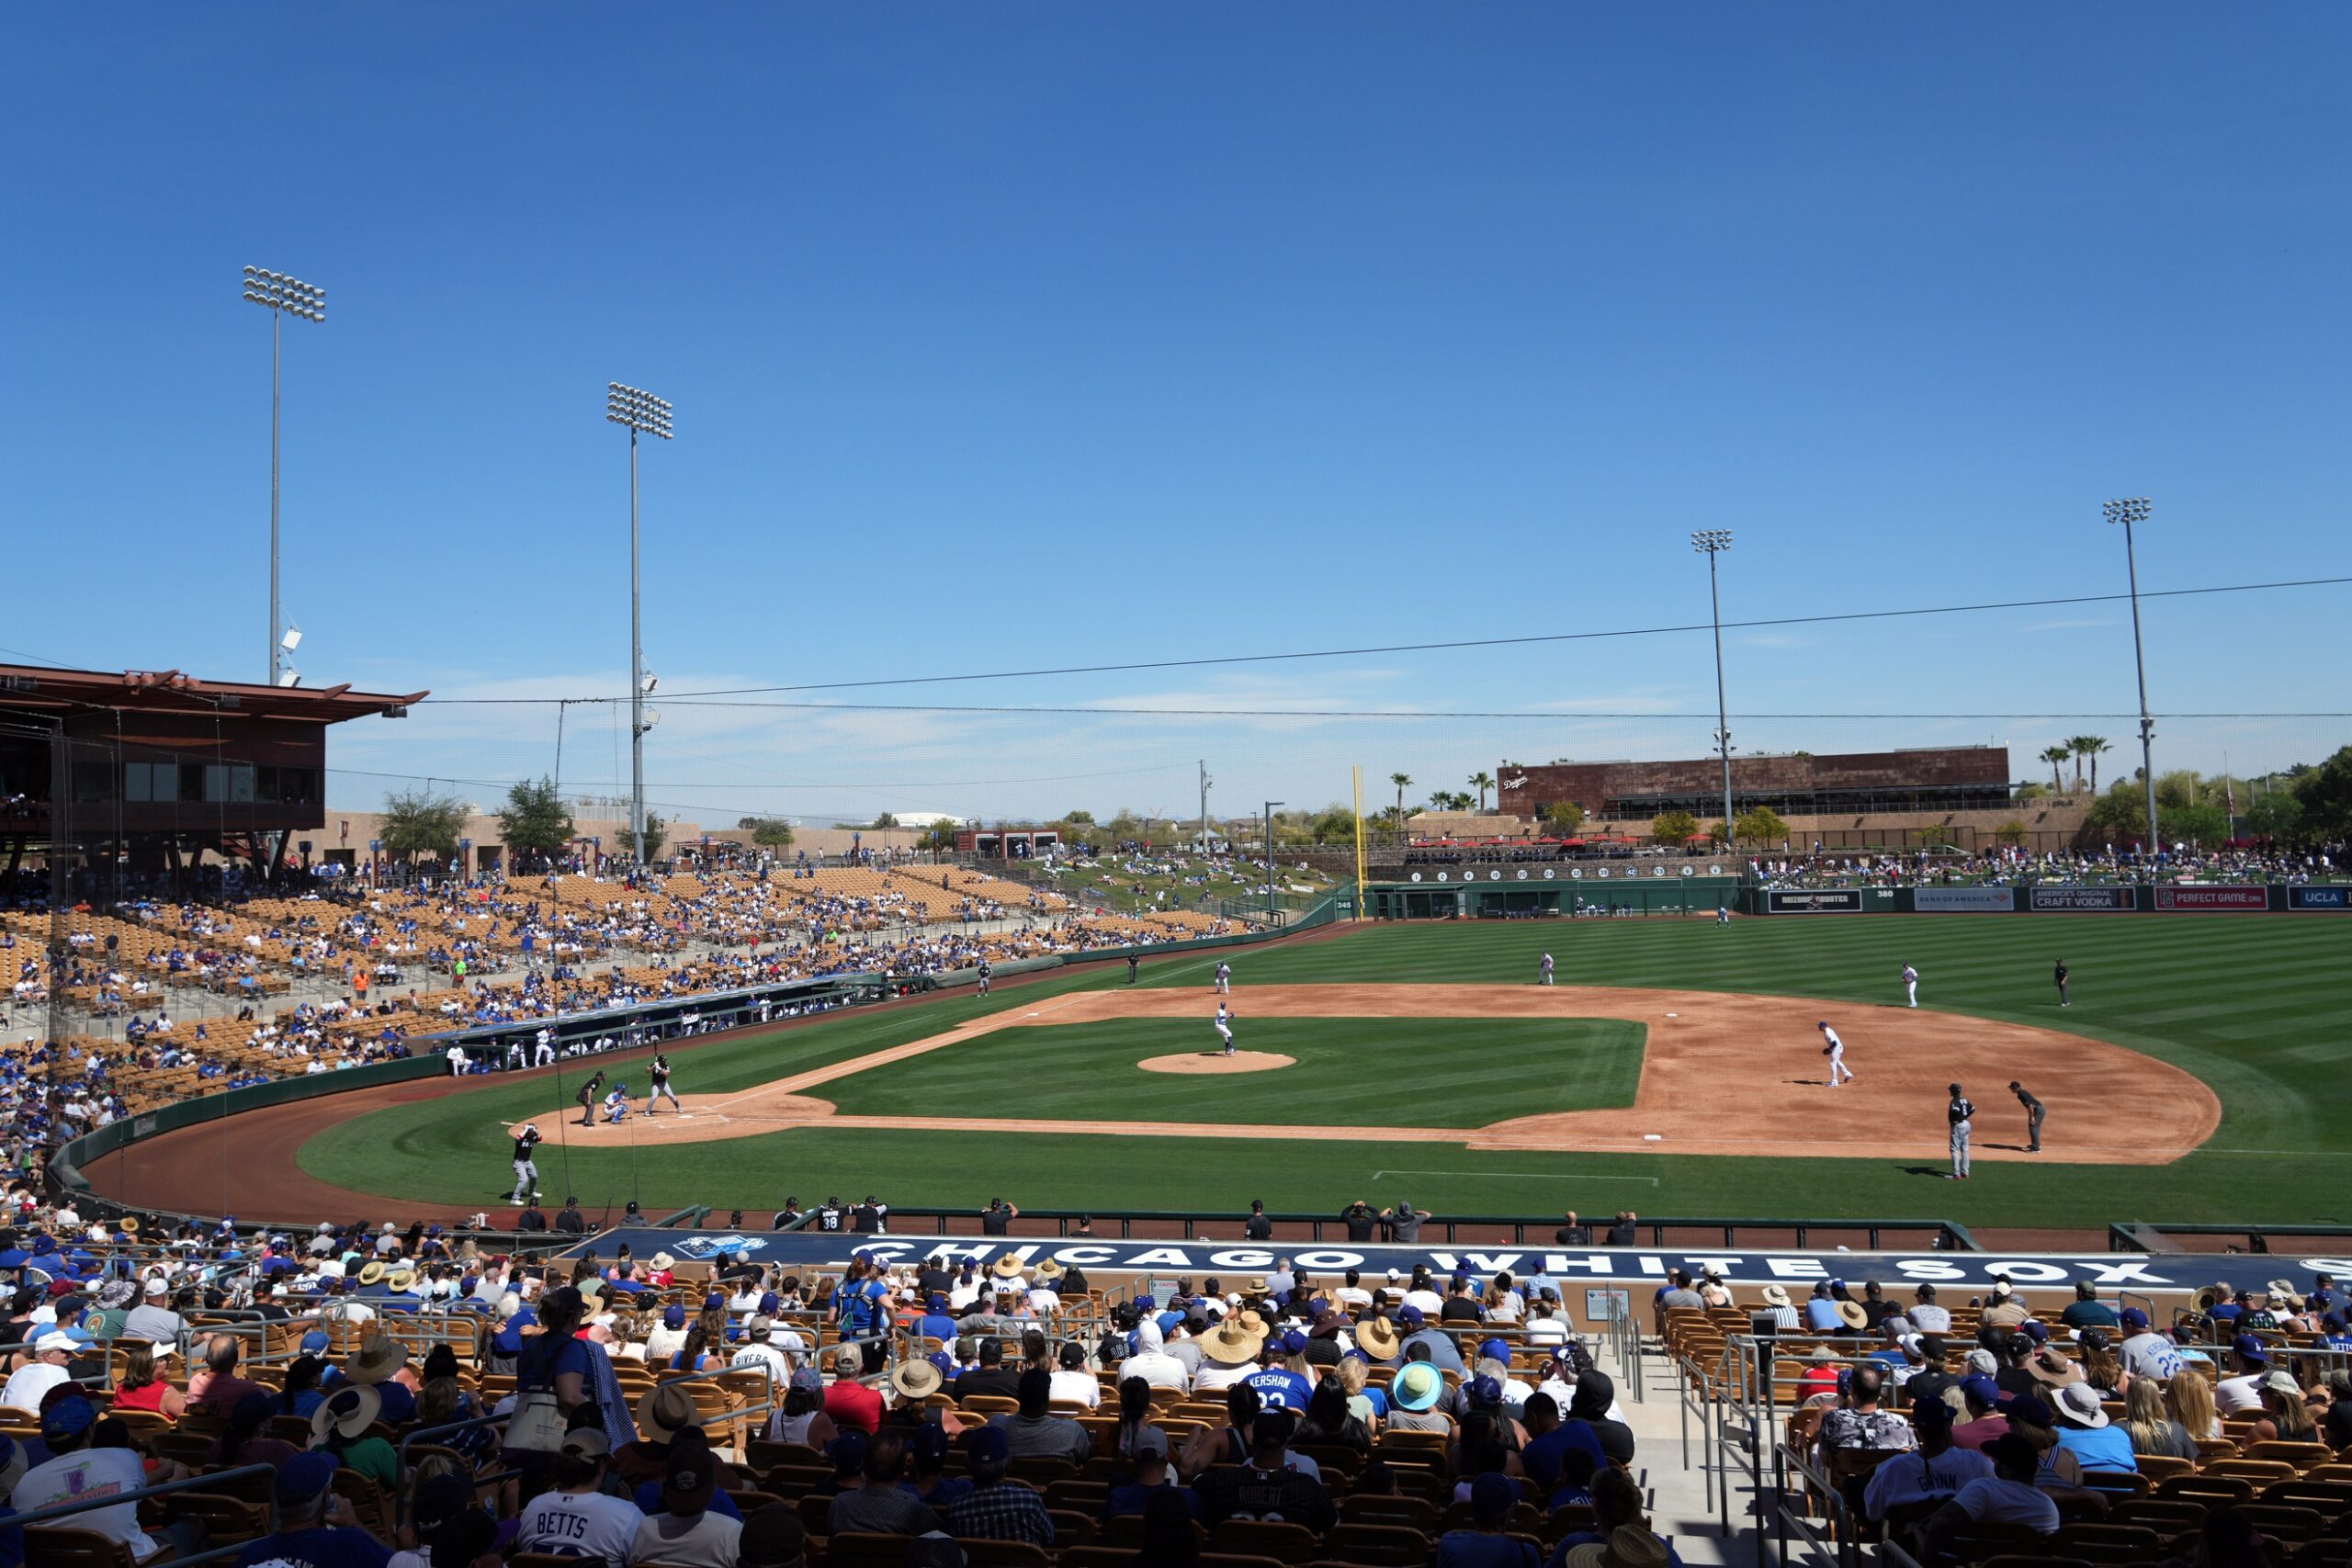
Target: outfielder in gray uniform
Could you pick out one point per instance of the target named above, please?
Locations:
(1960, 1112)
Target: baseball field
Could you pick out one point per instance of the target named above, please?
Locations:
(1674, 1068)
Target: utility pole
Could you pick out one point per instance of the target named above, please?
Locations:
(280, 294)
(1205, 806)
(2128, 512)
(1270, 860)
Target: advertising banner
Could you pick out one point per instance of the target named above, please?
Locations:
(2335, 900)
(2092, 898)
(1828, 901)
(2208, 900)
(1960, 1272)
(1964, 900)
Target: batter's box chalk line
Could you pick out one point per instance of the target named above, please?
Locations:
(1520, 1175)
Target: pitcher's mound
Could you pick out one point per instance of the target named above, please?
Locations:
(1218, 1062)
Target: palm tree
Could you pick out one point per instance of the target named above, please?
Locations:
(1401, 781)
(2076, 746)
(2091, 746)
(2057, 756)
(1481, 781)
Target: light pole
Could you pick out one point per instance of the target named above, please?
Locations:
(1711, 543)
(1270, 859)
(2126, 512)
(283, 296)
(643, 414)
(1204, 808)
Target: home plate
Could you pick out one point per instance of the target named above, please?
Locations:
(1653, 1137)
(1674, 1015)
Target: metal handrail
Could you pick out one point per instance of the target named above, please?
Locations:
(210, 1481)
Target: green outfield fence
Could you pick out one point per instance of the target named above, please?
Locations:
(1555, 891)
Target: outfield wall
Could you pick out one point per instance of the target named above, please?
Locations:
(2056, 898)
(1558, 890)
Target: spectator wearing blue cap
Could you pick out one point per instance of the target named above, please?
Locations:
(316, 1528)
(2241, 1391)
(927, 1479)
(75, 1470)
(2145, 1353)
(996, 1508)
(1983, 1397)
(1932, 1471)
(1282, 1382)
(934, 1322)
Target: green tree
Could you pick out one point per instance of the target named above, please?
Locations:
(884, 820)
(416, 822)
(1482, 781)
(1564, 817)
(2325, 795)
(1719, 831)
(1673, 828)
(1124, 826)
(1401, 781)
(2092, 747)
(657, 834)
(1760, 825)
(769, 832)
(2278, 815)
(534, 822)
(1078, 818)
(2010, 832)
(2056, 756)
(1334, 824)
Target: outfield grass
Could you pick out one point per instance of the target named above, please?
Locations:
(1354, 1072)
(2256, 1005)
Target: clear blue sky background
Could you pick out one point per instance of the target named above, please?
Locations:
(1046, 334)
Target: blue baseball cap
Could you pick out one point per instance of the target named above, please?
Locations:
(673, 1316)
(2036, 1330)
(936, 1303)
(1293, 1342)
(1484, 1391)
(315, 1341)
(70, 1417)
(2133, 1317)
(2031, 1411)
(989, 1444)
(2252, 1349)
(305, 1476)
(1411, 1314)
(1979, 1387)
(1495, 1350)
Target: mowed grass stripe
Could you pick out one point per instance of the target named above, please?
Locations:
(2255, 1008)
(1349, 1072)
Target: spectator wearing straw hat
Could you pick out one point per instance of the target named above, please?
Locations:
(340, 1427)
(379, 1364)
(1229, 1352)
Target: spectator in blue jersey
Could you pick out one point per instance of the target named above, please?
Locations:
(934, 1324)
(1282, 1383)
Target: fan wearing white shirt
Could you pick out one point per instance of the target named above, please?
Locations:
(1071, 1383)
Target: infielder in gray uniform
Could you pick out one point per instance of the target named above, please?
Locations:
(1960, 1112)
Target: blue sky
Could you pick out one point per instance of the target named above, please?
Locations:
(1038, 335)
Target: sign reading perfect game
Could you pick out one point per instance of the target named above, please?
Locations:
(1962, 1272)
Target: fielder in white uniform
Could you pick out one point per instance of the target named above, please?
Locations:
(1544, 971)
(1225, 1027)
(543, 1053)
(1224, 979)
(1836, 1051)
(1911, 985)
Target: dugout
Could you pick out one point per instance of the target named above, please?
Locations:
(1551, 892)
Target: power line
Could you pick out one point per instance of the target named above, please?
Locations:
(1434, 712)
(1441, 647)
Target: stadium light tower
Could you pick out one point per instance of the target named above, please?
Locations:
(1711, 543)
(283, 296)
(2126, 512)
(643, 414)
